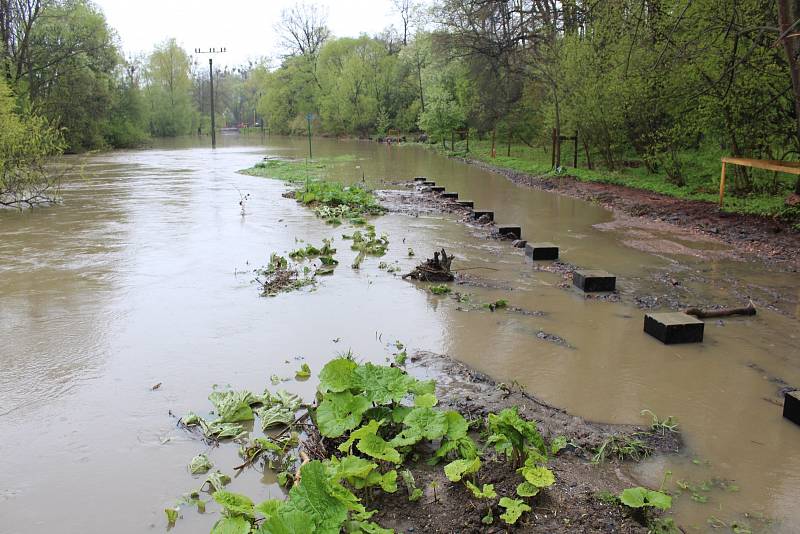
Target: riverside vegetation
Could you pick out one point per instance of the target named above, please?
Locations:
(333, 202)
(368, 428)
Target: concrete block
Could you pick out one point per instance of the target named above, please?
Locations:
(594, 280)
(450, 196)
(541, 251)
(479, 214)
(466, 203)
(437, 189)
(428, 184)
(674, 327)
(511, 231)
(420, 179)
(791, 406)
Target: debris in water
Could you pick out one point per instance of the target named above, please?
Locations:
(433, 270)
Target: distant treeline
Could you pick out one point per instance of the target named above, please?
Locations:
(636, 79)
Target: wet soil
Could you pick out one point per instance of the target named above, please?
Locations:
(754, 237)
(571, 505)
(676, 290)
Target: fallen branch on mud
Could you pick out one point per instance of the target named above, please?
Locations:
(433, 270)
(750, 309)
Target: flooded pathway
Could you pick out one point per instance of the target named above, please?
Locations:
(143, 276)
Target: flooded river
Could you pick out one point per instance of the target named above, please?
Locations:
(143, 276)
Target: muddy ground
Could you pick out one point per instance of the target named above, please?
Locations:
(571, 505)
(677, 289)
(754, 237)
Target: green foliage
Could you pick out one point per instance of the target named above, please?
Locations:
(200, 464)
(26, 143)
(662, 426)
(514, 509)
(458, 469)
(168, 91)
(640, 497)
(622, 447)
(439, 289)
(235, 504)
(487, 492)
(536, 479)
(303, 372)
(512, 435)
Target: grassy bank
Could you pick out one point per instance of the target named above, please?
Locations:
(701, 168)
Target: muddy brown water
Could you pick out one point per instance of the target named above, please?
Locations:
(142, 276)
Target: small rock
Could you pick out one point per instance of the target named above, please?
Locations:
(519, 243)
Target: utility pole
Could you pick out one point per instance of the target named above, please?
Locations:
(211, 88)
(309, 118)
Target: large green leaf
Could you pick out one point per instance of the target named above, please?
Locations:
(541, 477)
(514, 509)
(640, 497)
(231, 525)
(200, 464)
(235, 503)
(232, 406)
(427, 422)
(276, 415)
(382, 384)
(337, 376)
(487, 492)
(340, 412)
(325, 501)
(376, 447)
(457, 469)
(288, 522)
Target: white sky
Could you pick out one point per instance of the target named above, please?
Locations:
(244, 27)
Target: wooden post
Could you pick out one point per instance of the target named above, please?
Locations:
(575, 152)
(553, 159)
(494, 132)
(722, 185)
(467, 140)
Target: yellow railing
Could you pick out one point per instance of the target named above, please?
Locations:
(789, 167)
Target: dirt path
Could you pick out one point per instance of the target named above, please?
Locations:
(755, 238)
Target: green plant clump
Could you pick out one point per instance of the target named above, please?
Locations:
(380, 421)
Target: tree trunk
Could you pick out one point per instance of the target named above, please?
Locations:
(785, 21)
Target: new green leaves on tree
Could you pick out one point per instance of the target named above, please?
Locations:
(514, 509)
(640, 497)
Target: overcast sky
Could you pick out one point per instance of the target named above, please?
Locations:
(245, 27)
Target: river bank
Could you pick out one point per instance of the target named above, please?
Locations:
(755, 237)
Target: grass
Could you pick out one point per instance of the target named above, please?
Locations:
(701, 167)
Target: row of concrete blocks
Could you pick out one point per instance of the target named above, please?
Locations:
(670, 328)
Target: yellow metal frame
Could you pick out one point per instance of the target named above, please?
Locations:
(789, 167)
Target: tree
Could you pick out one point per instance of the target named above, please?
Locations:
(26, 144)
(169, 90)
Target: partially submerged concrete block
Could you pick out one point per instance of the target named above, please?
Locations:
(428, 184)
(420, 179)
(466, 203)
(450, 196)
(511, 231)
(437, 189)
(674, 327)
(791, 406)
(479, 214)
(541, 251)
(594, 280)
